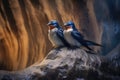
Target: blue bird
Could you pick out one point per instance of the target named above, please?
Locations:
(75, 38)
(55, 34)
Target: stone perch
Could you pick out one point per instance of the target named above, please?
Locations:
(66, 64)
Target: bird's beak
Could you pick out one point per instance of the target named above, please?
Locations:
(65, 27)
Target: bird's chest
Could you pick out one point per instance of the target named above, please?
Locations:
(55, 40)
(70, 39)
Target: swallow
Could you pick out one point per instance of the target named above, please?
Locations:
(55, 34)
(75, 38)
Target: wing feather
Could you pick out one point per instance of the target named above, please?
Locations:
(80, 38)
(61, 36)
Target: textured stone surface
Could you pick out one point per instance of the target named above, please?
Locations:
(59, 64)
(67, 64)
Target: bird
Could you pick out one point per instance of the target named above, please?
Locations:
(75, 38)
(55, 34)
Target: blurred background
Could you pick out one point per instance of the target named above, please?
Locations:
(23, 30)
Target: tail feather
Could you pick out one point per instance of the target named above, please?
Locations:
(88, 48)
(91, 43)
(86, 45)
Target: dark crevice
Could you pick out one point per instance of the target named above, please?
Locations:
(10, 17)
(2, 13)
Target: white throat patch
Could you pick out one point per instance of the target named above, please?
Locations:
(69, 30)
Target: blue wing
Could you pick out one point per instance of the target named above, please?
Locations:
(80, 38)
(77, 35)
(61, 36)
(91, 43)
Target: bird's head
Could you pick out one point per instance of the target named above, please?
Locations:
(53, 24)
(69, 25)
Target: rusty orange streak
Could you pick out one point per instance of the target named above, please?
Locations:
(51, 27)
